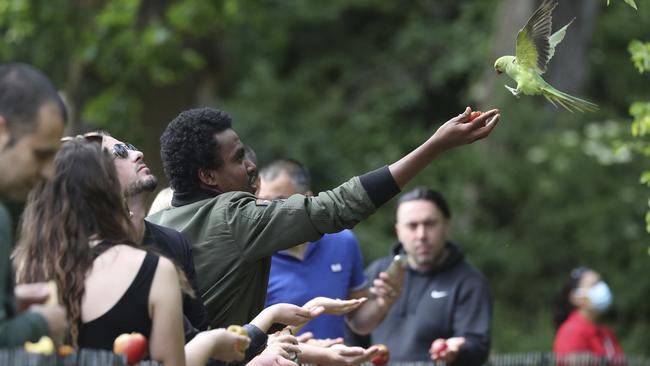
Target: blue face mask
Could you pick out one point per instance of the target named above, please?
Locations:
(600, 296)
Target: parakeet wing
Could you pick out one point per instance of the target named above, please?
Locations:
(556, 38)
(533, 48)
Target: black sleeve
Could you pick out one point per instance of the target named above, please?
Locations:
(193, 308)
(380, 185)
(174, 246)
(472, 319)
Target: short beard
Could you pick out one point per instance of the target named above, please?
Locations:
(141, 186)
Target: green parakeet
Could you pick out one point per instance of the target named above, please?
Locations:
(535, 47)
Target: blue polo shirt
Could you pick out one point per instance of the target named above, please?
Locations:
(332, 267)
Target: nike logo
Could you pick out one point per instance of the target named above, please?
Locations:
(438, 294)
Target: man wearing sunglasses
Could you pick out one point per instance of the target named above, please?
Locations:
(138, 182)
(32, 118)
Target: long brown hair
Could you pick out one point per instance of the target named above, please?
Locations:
(82, 202)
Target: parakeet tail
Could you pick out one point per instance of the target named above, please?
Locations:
(567, 101)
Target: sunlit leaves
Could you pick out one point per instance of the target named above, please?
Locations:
(640, 53)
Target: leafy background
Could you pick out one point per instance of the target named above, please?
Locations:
(347, 86)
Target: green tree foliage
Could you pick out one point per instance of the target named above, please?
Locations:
(640, 111)
(347, 86)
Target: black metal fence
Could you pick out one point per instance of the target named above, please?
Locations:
(85, 357)
(89, 357)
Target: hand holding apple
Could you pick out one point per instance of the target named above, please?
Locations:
(446, 349)
(239, 346)
(227, 346)
(133, 345)
(382, 356)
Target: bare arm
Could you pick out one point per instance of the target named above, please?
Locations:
(455, 132)
(384, 292)
(286, 314)
(166, 339)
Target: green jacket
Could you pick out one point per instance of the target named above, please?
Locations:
(234, 235)
(14, 329)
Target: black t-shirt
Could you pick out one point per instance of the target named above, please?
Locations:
(174, 246)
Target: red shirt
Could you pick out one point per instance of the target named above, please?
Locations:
(578, 334)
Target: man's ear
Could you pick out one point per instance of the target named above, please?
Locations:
(5, 135)
(208, 177)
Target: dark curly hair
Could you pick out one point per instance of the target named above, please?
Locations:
(188, 144)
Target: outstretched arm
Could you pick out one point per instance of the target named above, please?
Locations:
(455, 132)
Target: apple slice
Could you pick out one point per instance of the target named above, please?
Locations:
(241, 346)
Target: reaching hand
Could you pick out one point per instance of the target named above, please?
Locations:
(28, 294)
(327, 342)
(335, 306)
(270, 359)
(282, 344)
(461, 130)
(289, 314)
(446, 349)
(227, 345)
(305, 337)
(341, 355)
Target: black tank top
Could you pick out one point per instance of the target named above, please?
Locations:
(129, 314)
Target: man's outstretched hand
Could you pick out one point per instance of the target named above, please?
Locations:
(462, 129)
(458, 131)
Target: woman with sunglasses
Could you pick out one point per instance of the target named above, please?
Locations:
(76, 231)
(578, 310)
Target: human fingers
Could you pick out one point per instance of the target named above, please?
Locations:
(283, 338)
(305, 337)
(484, 131)
(462, 117)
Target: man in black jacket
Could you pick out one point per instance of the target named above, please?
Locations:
(444, 311)
(138, 182)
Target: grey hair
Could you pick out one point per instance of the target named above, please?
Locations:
(298, 174)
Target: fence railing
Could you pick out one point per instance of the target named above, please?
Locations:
(90, 357)
(85, 357)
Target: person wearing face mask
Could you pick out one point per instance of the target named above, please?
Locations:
(584, 298)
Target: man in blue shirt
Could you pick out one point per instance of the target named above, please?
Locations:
(331, 267)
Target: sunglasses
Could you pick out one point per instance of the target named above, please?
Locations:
(119, 150)
(122, 150)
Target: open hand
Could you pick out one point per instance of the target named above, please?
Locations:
(446, 349)
(462, 129)
(335, 306)
(227, 345)
(289, 314)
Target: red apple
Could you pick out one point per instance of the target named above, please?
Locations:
(382, 356)
(437, 347)
(133, 345)
(65, 350)
(241, 347)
